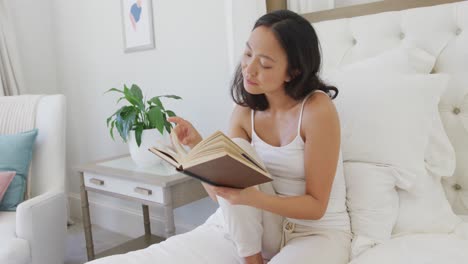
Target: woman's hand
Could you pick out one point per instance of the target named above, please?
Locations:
(237, 196)
(185, 132)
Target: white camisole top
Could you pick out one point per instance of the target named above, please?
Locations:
(286, 166)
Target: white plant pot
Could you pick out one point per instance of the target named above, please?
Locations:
(149, 138)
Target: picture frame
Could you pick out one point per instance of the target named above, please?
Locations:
(137, 25)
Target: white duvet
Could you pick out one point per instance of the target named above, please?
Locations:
(411, 249)
(208, 245)
(418, 249)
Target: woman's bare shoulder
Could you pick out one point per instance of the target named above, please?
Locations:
(240, 122)
(242, 110)
(319, 111)
(319, 104)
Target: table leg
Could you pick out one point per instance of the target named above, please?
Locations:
(170, 225)
(169, 214)
(146, 223)
(86, 219)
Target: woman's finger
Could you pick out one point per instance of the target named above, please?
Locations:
(175, 119)
(220, 190)
(180, 133)
(176, 130)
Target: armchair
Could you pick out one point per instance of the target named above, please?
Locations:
(35, 233)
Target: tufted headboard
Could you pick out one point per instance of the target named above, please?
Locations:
(441, 30)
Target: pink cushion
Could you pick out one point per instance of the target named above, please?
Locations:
(5, 179)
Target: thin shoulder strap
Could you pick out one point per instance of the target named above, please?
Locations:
(302, 110)
(252, 112)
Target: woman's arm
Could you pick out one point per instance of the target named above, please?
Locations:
(237, 125)
(236, 130)
(321, 129)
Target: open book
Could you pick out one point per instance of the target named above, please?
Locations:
(216, 160)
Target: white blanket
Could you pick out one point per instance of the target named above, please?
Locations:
(418, 249)
(413, 249)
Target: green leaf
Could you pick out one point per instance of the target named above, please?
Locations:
(132, 99)
(136, 91)
(138, 132)
(125, 120)
(156, 119)
(108, 120)
(114, 90)
(120, 99)
(168, 127)
(125, 110)
(112, 130)
(127, 125)
(155, 100)
(119, 126)
(116, 112)
(167, 124)
(171, 96)
(170, 113)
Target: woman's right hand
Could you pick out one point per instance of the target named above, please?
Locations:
(185, 132)
(189, 136)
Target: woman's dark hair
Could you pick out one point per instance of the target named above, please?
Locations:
(300, 42)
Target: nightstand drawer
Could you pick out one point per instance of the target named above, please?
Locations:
(125, 187)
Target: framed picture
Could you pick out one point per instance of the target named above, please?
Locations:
(137, 22)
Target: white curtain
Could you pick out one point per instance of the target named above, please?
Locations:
(10, 70)
(308, 6)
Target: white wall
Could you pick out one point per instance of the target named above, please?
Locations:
(33, 26)
(240, 19)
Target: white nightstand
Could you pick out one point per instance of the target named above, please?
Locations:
(119, 177)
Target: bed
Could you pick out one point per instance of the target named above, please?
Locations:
(399, 214)
(355, 34)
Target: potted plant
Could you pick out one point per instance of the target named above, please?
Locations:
(141, 123)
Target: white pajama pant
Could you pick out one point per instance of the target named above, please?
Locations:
(237, 231)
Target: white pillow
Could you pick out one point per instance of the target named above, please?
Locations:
(439, 155)
(425, 209)
(398, 60)
(386, 122)
(365, 204)
(372, 202)
(387, 118)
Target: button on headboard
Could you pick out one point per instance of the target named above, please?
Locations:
(440, 30)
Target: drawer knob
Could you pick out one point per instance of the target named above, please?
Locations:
(143, 191)
(96, 181)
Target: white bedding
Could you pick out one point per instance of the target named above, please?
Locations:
(418, 249)
(206, 244)
(411, 249)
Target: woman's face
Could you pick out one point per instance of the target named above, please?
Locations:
(264, 63)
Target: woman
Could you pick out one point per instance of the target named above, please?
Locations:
(287, 114)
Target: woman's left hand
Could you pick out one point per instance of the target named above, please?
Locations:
(237, 196)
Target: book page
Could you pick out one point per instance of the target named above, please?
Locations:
(166, 154)
(205, 141)
(219, 143)
(174, 153)
(181, 152)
